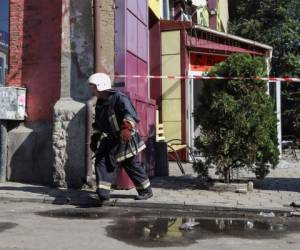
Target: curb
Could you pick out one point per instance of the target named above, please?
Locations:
(90, 201)
(197, 207)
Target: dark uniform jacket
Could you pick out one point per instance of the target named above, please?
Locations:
(109, 117)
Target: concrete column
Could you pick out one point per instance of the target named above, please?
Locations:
(69, 118)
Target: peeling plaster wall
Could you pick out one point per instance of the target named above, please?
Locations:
(81, 47)
(107, 38)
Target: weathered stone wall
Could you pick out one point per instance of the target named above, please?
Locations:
(68, 140)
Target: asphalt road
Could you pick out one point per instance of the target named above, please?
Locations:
(44, 226)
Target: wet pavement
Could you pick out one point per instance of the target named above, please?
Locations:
(184, 212)
(150, 228)
(45, 226)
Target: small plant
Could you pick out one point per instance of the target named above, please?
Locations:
(237, 119)
(202, 169)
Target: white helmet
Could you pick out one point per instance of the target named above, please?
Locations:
(101, 80)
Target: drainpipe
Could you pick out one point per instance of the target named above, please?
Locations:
(91, 102)
(3, 150)
(97, 31)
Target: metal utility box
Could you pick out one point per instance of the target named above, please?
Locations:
(12, 103)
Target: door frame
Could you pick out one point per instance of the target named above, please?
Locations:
(190, 120)
(278, 110)
(190, 108)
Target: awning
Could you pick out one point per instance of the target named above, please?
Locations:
(199, 43)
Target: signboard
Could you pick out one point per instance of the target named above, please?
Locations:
(204, 62)
(12, 103)
(154, 5)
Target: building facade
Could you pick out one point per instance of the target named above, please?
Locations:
(188, 48)
(52, 53)
(3, 56)
(54, 47)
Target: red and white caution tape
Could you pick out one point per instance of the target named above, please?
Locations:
(272, 79)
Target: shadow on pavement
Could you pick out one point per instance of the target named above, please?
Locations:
(50, 194)
(278, 184)
(122, 196)
(179, 182)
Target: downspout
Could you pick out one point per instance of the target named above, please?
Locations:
(97, 32)
(3, 150)
(91, 102)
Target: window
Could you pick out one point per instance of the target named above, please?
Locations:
(2, 71)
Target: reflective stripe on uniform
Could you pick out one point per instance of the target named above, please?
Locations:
(104, 185)
(126, 156)
(130, 120)
(103, 135)
(144, 185)
(113, 121)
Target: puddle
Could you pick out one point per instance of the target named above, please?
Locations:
(6, 225)
(150, 228)
(179, 231)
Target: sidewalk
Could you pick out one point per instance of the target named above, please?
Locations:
(275, 193)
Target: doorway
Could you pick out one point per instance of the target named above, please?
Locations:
(194, 89)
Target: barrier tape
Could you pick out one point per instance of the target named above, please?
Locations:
(273, 79)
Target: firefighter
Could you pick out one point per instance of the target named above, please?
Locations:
(116, 139)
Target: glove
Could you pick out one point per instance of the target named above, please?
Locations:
(125, 133)
(94, 141)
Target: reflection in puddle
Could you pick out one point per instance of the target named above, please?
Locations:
(6, 225)
(156, 228)
(167, 232)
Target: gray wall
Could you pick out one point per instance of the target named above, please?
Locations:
(30, 153)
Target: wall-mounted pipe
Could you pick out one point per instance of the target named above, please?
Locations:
(3, 150)
(97, 32)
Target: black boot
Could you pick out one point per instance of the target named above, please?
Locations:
(103, 195)
(144, 194)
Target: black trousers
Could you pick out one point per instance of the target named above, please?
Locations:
(105, 174)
